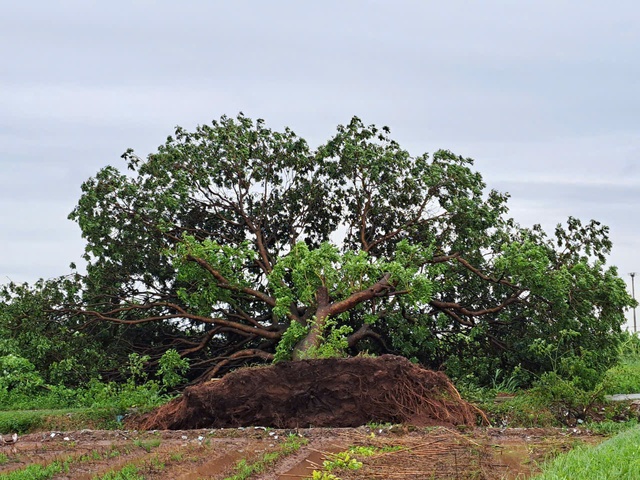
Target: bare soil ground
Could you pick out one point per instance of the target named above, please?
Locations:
(420, 453)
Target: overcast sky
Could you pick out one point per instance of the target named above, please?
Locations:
(544, 95)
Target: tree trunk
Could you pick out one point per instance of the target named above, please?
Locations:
(325, 309)
(313, 339)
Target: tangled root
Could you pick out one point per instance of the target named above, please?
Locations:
(319, 393)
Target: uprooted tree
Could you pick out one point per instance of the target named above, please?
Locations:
(236, 243)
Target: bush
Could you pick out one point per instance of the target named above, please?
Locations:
(18, 375)
(568, 401)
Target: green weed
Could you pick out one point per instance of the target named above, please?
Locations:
(615, 459)
(36, 472)
(320, 475)
(245, 470)
(129, 472)
(148, 445)
(342, 461)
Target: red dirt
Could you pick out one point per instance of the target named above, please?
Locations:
(438, 453)
(318, 393)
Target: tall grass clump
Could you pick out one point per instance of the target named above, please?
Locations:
(624, 377)
(615, 459)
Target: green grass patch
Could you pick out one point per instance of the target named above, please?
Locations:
(611, 427)
(244, 469)
(624, 377)
(36, 472)
(523, 409)
(615, 459)
(26, 421)
(128, 472)
(147, 445)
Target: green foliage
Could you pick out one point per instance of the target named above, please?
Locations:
(566, 398)
(172, 368)
(615, 459)
(238, 238)
(369, 451)
(611, 427)
(320, 475)
(35, 472)
(20, 422)
(128, 472)
(135, 370)
(629, 346)
(333, 344)
(506, 384)
(148, 445)
(341, 461)
(290, 338)
(18, 375)
(525, 409)
(623, 377)
(34, 327)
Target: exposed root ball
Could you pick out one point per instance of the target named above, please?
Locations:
(319, 393)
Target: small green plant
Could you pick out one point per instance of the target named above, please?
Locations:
(379, 426)
(525, 409)
(148, 445)
(290, 338)
(245, 470)
(334, 341)
(128, 472)
(342, 461)
(172, 368)
(320, 475)
(363, 451)
(36, 472)
(501, 382)
(369, 451)
(623, 378)
(176, 457)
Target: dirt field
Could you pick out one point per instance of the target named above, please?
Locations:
(398, 452)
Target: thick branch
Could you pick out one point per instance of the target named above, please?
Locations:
(380, 288)
(363, 332)
(326, 310)
(181, 314)
(224, 283)
(457, 311)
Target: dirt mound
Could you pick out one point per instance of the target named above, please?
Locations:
(315, 393)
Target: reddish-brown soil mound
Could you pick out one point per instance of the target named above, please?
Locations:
(318, 393)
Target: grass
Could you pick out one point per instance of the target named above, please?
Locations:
(128, 472)
(51, 470)
(245, 470)
(37, 472)
(623, 377)
(615, 459)
(148, 445)
(25, 421)
(611, 427)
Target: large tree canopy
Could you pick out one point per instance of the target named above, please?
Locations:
(236, 242)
